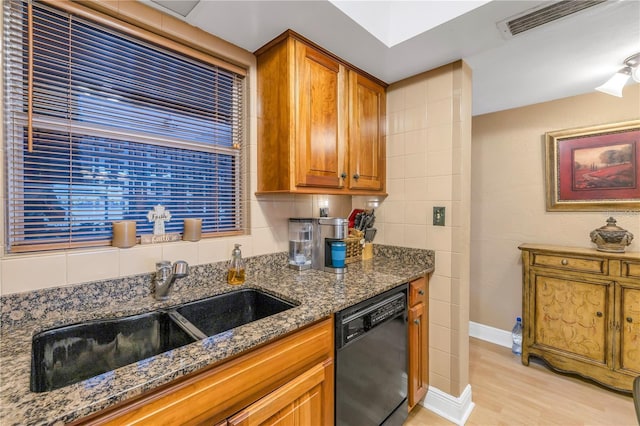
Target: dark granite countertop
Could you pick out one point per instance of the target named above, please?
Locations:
(319, 294)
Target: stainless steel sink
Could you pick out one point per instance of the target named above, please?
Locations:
(70, 354)
(73, 353)
(226, 311)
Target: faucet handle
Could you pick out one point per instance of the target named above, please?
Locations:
(180, 269)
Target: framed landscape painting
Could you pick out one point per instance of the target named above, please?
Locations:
(594, 168)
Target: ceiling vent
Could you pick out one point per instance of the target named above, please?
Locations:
(538, 16)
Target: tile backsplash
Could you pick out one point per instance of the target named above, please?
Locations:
(268, 234)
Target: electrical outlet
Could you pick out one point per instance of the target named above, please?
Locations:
(438, 216)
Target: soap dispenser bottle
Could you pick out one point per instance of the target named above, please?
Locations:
(235, 270)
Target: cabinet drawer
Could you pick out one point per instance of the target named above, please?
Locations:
(569, 263)
(630, 269)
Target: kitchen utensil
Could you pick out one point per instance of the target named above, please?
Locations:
(370, 234)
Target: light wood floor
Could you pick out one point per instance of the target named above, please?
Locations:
(508, 393)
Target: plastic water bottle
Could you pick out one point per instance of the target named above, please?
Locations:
(516, 336)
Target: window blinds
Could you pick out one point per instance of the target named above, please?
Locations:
(119, 125)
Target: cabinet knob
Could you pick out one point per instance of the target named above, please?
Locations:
(343, 175)
(565, 262)
(416, 321)
(599, 314)
(356, 176)
(629, 319)
(421, 292)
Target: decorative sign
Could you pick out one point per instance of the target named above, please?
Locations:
(159, 215)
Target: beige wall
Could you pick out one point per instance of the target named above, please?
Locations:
(428, 164)
(268, 225)
(508, 196)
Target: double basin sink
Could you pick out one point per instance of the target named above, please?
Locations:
(70, 354)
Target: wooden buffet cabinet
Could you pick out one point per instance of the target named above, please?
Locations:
(321, 122)
(290, 381)
(581, 312)
(418, 340)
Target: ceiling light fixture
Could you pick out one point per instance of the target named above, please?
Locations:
(616, 83)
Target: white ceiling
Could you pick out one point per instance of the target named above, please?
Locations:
(567, 57)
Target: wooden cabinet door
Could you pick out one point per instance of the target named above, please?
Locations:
(418, 291)
(366, 133)
(630, 328)
(301, 402)
(320, 118)
(572, 316)
(418, 354)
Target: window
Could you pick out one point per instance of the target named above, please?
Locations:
(102, 126)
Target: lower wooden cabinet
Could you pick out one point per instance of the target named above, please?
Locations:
(418, 340)
(299, 402)
(581, 312)
(289, 381)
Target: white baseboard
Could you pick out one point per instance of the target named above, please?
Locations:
(456, 410)
(490, 334)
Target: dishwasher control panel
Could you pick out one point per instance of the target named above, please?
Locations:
(368, 317)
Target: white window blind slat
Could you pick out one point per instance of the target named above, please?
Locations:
(119, 125)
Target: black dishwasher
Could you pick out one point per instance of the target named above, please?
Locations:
(371, 361)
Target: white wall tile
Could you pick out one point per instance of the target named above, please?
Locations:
(416, 94)
(439, 188)
(212, 250)
(439, 163)
(439, 137)
(416, 212)
(395, 122)
(415, 236)
(394, 234)
(395, 100)
(440, 112)
(439, 238)
(92, 265)
(416, 189)
(139, 259)
(415, 118)
(182, 250)
(415, 166)
(394, 211)
(264, 241)
(395, 167)
(396, 145)
(28, 273)
(416, 141)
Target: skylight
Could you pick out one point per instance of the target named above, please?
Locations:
(393, 22)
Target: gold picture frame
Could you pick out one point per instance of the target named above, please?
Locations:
(593, 168)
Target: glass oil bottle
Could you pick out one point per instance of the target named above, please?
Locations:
(235, 270)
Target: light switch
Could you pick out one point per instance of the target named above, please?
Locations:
(438, 216)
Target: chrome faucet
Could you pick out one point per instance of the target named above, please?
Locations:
(167, 275)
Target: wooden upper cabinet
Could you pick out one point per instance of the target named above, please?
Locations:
(320, 110)
(367, 106)
(320, 122)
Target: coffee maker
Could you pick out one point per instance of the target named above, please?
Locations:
(328, 248)
(328, 244)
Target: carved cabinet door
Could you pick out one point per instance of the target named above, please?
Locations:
(572, 316)
(629, 322)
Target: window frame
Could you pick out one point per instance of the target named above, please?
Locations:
(154, 36)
